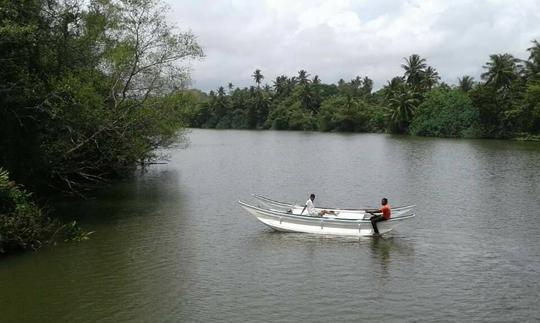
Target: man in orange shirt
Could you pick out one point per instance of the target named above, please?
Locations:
(385, 214)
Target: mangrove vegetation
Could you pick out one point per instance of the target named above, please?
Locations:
(88, 91)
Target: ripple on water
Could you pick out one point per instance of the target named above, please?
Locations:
(172, 244)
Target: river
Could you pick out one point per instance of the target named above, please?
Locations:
(172, 245)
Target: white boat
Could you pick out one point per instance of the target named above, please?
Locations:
(296, 208)
(344, 224)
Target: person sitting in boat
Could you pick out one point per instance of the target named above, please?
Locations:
(311, 208)
(384, 213)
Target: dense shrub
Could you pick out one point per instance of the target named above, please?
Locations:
(23, 226)
(445, 113)
(291, 118)
(343, 113)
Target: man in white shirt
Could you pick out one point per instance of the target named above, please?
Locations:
(311, 208)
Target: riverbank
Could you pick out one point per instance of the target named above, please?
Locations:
(526, 137)
(516, 137)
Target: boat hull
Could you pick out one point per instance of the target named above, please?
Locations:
(282, 221)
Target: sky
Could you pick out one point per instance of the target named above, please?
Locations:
(344, 39)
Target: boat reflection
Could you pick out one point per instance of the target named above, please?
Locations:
(384, 249)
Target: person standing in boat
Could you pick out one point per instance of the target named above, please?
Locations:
(384, 213)
(311, 208)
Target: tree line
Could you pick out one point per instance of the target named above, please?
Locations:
(88, 91)
(505, 103)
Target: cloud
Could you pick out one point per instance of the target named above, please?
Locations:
(342, 39)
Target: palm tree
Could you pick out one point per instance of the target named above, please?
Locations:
(402, 104)
(281, 85)
(431, 77)
(465, 83)
(220, 104)
(356, 83)
(303, 77)
(221, 91)
(341, 85)
(395, 83)
(258, 77)
(414, 69)
(533, 64)
(367, 85)
(502, 69)
(316, 89)
(252, 113)
(392, 86)
(230, 86)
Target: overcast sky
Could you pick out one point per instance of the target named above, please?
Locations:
(341, 39)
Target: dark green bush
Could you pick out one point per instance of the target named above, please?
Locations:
(23, 226)
(445, 113)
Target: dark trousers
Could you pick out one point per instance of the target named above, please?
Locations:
(374, 219)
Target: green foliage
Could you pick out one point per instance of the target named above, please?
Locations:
(291, 117)
(344, 113)
(293, 104)
(465, 83)
(89, 91)
(224, 123)
(23, 226)
(532, 107)
(488, 103)
(533, 64)
(504, 105)
(187, 105)
(257, 76)
(414, 67)
(238, 119)
(402, 103)
(502, 70)
(445, 113)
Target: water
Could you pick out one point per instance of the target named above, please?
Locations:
(172, 245)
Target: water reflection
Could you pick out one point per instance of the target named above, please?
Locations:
(125, 265)
(384, 249)
(381, 250)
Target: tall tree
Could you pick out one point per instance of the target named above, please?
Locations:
(257, 76)
(252, 113)
(533, 64)
(356, 82)
(341, 84)
(281, 86)
(502, 69)
(303, 78)
(431, 77)
(402, 104)
(392, 86)
(465, 83)
(414, 70)
(367, 85)
(220, 106)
